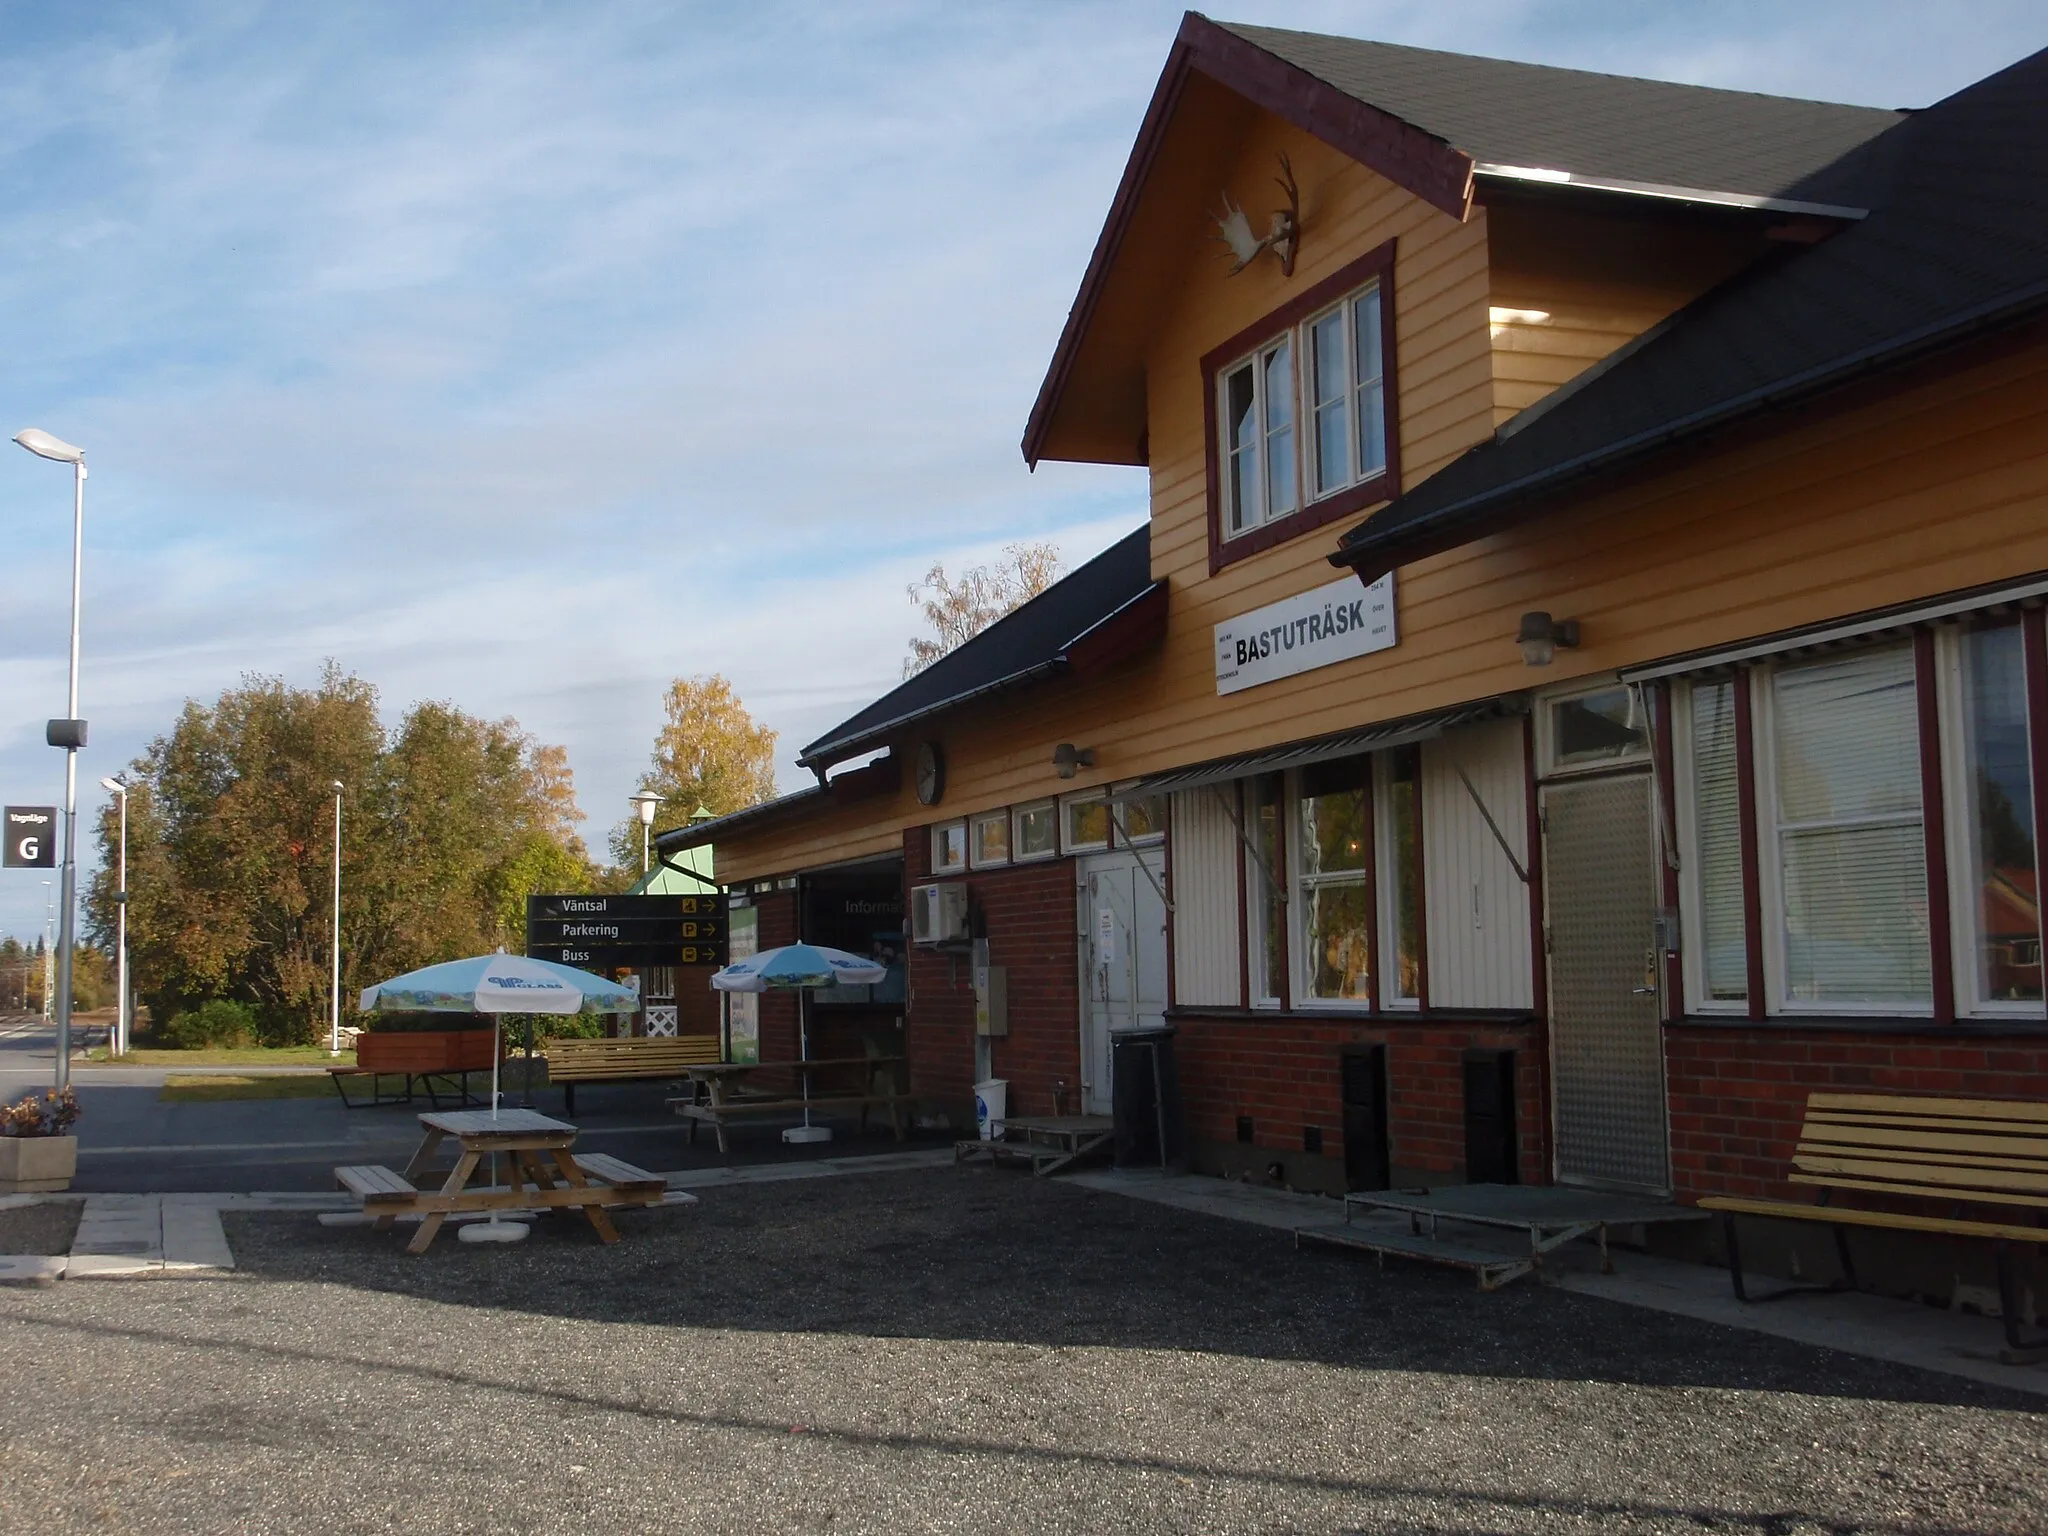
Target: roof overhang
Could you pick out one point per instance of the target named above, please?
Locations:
(1406, 155)
(1538, 177)
(1386, 540)
(884, 776)
(1325, 749)
(1117, 635)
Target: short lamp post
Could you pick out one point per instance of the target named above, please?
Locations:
(68, 733)
(121, 1019)
(645, 802)
(334, 979)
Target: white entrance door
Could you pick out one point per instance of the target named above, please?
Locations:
(1123, 958)
(1606, 1046)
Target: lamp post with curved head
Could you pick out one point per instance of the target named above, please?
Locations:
(121, 1020)
(334, 984)
(645, 802)
(68, 733)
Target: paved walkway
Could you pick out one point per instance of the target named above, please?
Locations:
(1877, 1327)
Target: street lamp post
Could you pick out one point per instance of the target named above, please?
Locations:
(68, 733)
(121, 1020)
(645, 802)
(334, 984)
(49, 954)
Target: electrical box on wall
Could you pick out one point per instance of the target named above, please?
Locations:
(938, 913)
(992, 1000)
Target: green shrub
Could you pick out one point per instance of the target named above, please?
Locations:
(218, 1021)
(418, 1023)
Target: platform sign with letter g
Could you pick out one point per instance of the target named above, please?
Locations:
(31, 837)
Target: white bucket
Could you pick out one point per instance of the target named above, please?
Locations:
(990, 1100)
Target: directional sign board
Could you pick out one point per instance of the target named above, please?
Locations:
(31, 837)
(608, 932)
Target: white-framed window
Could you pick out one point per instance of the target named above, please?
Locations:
(988, 843)
(1846, 926)
(1707, 770)
(949, 847)
(1034, 831)
(1327, 375)
(1994, 880)
(1265, 875)
(1397, 843)
(1142, 820)
(1332, 894)
(1084, 822)
(1596, 728)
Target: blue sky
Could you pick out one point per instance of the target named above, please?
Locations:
(528, 355)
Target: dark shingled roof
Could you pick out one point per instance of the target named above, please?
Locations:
(1029, 643)
(1956, 245)
(1602, 127)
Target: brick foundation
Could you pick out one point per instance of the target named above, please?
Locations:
(1283, 1073)
(1027, 912)
(1738, 1095)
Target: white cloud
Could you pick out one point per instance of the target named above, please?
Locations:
(526, 357)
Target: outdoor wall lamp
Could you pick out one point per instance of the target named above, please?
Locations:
(1068, 759)
(1541, 637)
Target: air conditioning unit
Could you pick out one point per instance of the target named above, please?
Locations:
(938, 913)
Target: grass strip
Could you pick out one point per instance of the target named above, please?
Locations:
(214, 1088)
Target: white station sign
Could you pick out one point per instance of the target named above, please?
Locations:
(1299, 634)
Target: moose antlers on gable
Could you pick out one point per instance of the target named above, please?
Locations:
(1283, 236)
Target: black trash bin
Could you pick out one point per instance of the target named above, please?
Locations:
(1145, 1099)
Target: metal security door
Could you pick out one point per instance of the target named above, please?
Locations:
(1606, 1043)
(1123, 960)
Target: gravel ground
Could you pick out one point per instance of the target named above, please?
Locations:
(950, 1350)
(43, 1228)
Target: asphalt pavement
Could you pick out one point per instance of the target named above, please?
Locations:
(131, 1142)
(962, 1349)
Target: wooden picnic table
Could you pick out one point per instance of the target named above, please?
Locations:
(717, 1092)
(534, 1150)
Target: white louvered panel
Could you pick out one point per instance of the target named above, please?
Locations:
(1203, 851)
(1478, 909)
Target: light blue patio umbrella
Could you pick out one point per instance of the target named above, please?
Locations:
(497, 984)
(800, 967)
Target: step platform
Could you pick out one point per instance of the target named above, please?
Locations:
(1498, 1232)
(1048, 1142)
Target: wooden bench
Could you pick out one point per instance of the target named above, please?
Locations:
(377, 1186)
(717, 1114)
(454, 1084)
(572, 1061)
(618, 1173)
(1990, 1154)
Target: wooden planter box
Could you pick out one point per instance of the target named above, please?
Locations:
(440, 1050)
(37, 1164)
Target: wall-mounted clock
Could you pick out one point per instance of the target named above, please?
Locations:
(931, 773)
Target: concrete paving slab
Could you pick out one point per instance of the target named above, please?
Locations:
(814, 1168)
(192, 1237)
(31, 1269)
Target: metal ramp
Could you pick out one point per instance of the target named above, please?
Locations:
(1499, 1232)
(1048, 1142)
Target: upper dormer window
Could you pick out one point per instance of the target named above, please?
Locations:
(1302, 417)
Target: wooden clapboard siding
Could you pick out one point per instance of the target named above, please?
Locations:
(1476, 907)
(1206, 945)
(1600, 277)
(1928, 488)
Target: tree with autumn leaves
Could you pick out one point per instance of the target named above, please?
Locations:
(449, 821)
(709, 754)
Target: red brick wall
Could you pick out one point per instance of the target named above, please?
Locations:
(1284, 1073)
(1738, 1095)
(1028, 914)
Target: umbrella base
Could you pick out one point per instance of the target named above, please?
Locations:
(491, 1232)
(807, 1133)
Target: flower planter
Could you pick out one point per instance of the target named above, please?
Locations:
(37, 1164)
(448, 1050)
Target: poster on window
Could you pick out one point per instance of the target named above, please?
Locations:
(1298, 634)
(743, 1009)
